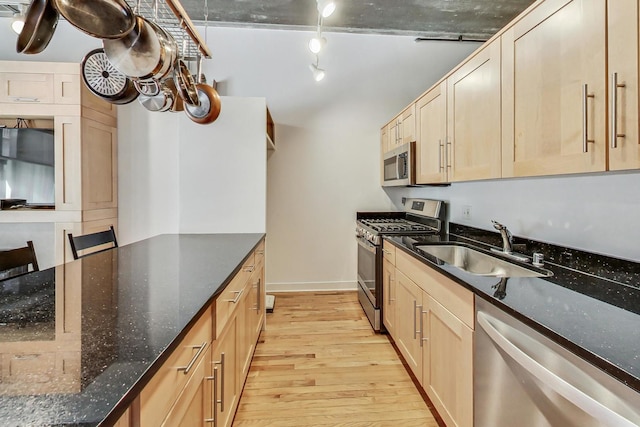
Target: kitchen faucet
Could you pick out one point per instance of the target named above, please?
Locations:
(507, 237)
(507, 243)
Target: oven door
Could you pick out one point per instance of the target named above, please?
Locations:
(368, 269)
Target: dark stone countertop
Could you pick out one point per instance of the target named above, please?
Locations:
(104, 324)
(595, 317)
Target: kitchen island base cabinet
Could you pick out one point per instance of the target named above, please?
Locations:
(220, 345)
(434, 321)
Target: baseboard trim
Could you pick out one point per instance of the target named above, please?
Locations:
(311, 286)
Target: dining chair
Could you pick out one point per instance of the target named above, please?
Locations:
(14, 258)
(80, 243)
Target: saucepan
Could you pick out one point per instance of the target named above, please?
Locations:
(209, 106)
(162, 101)
(104, 19)
(147, 51)
(105, 81)
(39, 25)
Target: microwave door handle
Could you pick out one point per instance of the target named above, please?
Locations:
(398, 160)
(570, 392)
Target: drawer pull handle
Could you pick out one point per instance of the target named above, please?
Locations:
(235, 300)
(25, 99)
(249, 269)
(260, 252)
(187, 368)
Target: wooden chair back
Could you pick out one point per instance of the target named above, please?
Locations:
(80, 243)
(20, 257)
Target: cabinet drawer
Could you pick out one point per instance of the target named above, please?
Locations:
(259, 254)
(165, 386)
(229, 299)
(452, 296)
(389, 252)
(37, 88)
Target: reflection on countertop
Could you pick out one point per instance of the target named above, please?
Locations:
(75, 340)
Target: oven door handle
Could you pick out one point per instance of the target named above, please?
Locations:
(368, 246)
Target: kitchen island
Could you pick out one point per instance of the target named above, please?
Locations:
(80, 341)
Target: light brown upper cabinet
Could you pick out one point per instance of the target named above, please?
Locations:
(554, 90)
(400, 130)
(474, 116)
(623, 46)
(431, 136)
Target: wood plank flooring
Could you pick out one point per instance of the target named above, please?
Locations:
(319, 363)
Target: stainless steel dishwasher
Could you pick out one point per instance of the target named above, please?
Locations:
(522, 378)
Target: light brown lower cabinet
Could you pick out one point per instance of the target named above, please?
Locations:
(434, 322)
(201, 381)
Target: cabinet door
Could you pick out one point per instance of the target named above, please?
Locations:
(384, 139)
(68, 161)
(474, 116)
(394, 133)
(407, 332)
(431, 136)
(448, 370)
(623, 47)
(407, 125)
(226, 373)
(389, 296)
(554, 90)
(28, 88)
(99, 165)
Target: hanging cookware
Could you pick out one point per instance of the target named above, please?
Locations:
(145, 52)
(104, 19)
(105, 81)
(178, 103)
(39, 25)
(162, 101)
(209, 107)
(185, 84)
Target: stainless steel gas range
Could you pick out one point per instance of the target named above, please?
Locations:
(420, 217)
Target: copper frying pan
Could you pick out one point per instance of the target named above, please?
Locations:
(209, 107)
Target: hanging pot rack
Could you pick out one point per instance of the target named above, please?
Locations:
(171, 16)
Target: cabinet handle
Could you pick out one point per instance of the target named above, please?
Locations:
(258, 286)
(614, 110)
(422, 338)
(390, 281)
(415, 319)
(449, 154)
(386, 251)
(213, 378)
(221, 363)
(26, 99)
(238, 293)
(187, 368)
(260, 252)
(249, 269)
(585, 118)
(440, 155)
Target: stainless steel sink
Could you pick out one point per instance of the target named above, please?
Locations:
(480, 263)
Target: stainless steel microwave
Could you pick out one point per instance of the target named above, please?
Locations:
(399, 166)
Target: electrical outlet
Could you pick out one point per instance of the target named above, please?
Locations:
(466, 212)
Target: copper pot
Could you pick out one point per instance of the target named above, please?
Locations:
(209, 105)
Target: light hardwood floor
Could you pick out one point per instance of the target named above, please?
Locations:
(319, 363)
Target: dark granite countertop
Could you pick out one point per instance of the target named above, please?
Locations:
(596, 317)
(79, 341)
